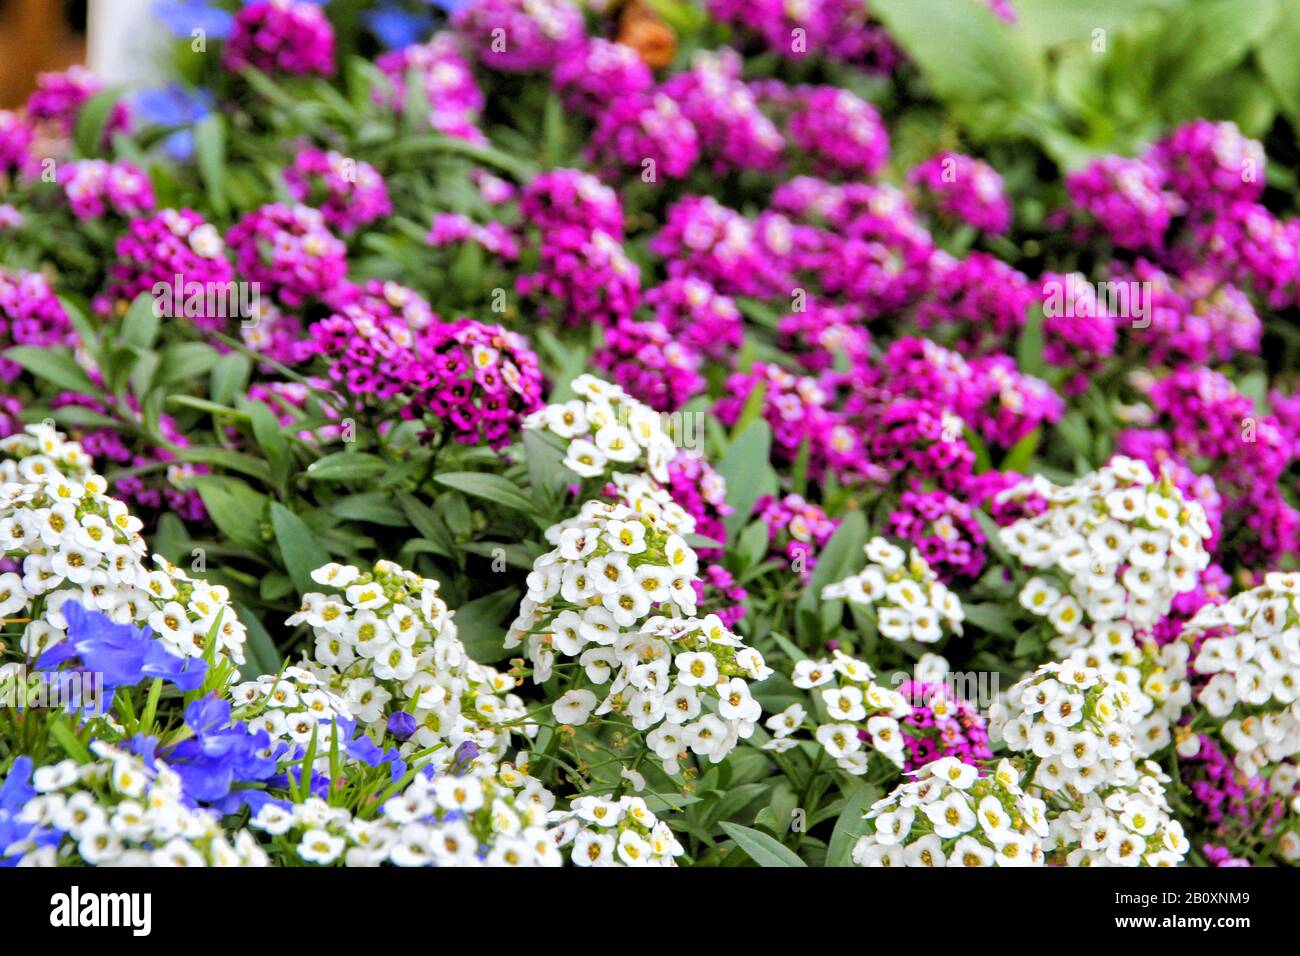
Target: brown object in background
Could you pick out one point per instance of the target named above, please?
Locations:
(34, 38)
(641, 29)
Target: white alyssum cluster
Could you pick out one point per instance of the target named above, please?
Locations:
(1250, 649)
(909, 601)
(600, 831)
(1075, 732)
(950, 814)
(39, 451)
(75, 542)
(491, 816)
(854, 704)
(607, 431)
(616, 593)
(293, 707)
(115, 811)
(1115, 545)
(385, 641)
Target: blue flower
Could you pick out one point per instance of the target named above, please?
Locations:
(396, 28)
(401, 725)
(15, 791)
(221, 754)
(183, 17)
(174, 106)
(122, 654)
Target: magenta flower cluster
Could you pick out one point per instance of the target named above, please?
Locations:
(942, 725)
(348, 192)
(281, 36)
(964, 189)
(645, 359)
(30, 314)
(290, 251)
(93, 187)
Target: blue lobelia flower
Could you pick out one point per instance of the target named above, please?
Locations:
(183, 17)
(124, 655)
(174, 106)
(221, 754)
(15, 791)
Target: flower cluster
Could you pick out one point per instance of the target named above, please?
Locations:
(94, 186)
(907, 598)
(1119, 544)
(118, 810)
(622, 832)
(348, 192)
(616, 594)
(30, 314)
(386, 644)
(952, 815)
(857, 711)
(963, 188)
(289, 250)
(281, 36)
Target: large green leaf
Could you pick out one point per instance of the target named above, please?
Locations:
(965, 51)
(745, 468)
(760, 847)
(489, 487)
(302, 554)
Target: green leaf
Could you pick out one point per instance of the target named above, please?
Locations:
(489, 487)
(1021, 453)
(760, 847)
(228, 460)
(140, 326)
(235, 508)
(93, 120)
(210, 152)
(302, 555)
(229, 377)
(260, 654)
(479, 624)
(347, 466)
(744, 467)
(54, 365)
(184, 362)
(1277, 55)
(1029, 347)
(267, 431)
(850, 825)
(964, 50)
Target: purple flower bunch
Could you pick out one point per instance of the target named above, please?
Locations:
(977, 303)
(705, 240)
(281, 36)
(964, 189)
(839, 30)
(476, 382)
(1008, 404)
(599, 74)
(15, 143)
(796, 530)
(58, 98)
(825, 338)
(159, 248)
(92, 187)
(647, 133)
(702, 493)
(583, 276)
(520, 36)
(571, 197)
(698, 316)
(30, 314)
(1128, 199)
(454, 98)
(349, 192)
(453, 228)
(943, 530)
(290, 251)
(734, 134)
(795, 407)
(645, 359)
(942, 725)
(840, 133)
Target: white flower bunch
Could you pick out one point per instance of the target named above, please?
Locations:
(617, 594)
(607, 832)
(855, 704)
(385, 641)
(292, 707)
(909, 600)
(1076, 725)
(607, 431)
(951, 815)
(1126, 825)
(489, 817)
(1120, 545)
(116, 811)
(77, 543)
(1250, 649)
(1075, 730)
(39, 451)
(1155, 677)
